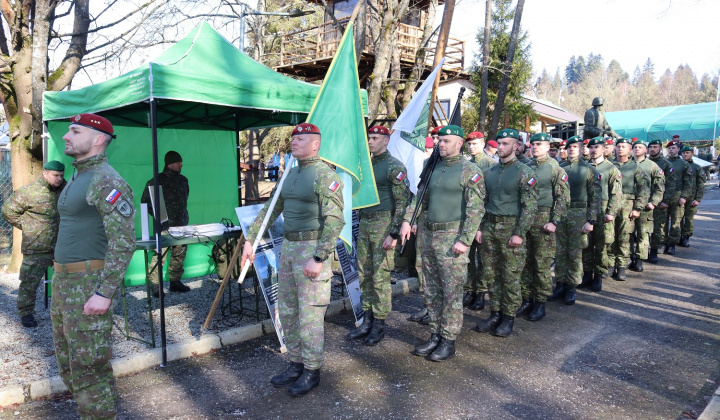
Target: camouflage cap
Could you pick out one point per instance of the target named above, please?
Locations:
(687, 149)
(623, 140)
(656, 141)
(540, 137)
(54, 165)
(573, 139)
(596, 141)
(508, 133)
(451, 130)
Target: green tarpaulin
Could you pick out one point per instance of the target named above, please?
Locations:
(694, 122)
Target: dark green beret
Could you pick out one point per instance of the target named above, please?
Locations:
(596, 140)
(507, 132)
(623, 140)
(639, 141)
(451, 130)
(573, 139)
(540, 137)
(54, 165)
(656, 141)
(687, 149)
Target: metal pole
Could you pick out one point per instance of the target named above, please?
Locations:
(158, 227)
(242, 27)
(237, 150)
(440, 52)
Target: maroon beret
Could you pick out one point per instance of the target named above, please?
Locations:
(379, 129)
(676, 136)
(95, 122)
(475, 135)
(436, 130)
(306, 128)
(492, 143)
(429, 144)
(609, 141)
(673, 143)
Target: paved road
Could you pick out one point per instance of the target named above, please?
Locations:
(642, 349)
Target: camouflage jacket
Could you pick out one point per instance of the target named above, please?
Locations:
(700, 179)
(612, 183)
(483, 161)
(393, 189)
(657, 180)
(512, 191)
(684, 177)
(328, 188)
(585, 185)
(33, 209)
(557, 183)
(176, 189)
(668, 171)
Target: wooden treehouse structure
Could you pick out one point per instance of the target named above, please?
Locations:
(308, 52)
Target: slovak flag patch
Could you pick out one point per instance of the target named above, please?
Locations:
(476, 178)
(532, 182)
(113, 196)
(599, 177)
(564, 177)
(620, 176)
(401, 176)
(661, 172)
(672, 170)
(334, 186)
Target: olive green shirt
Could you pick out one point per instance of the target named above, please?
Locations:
(393, 189)
(635, 182)
(512, 191)
(668, 171)
(585, 186)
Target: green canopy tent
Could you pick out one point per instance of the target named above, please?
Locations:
(696, 123)
(194, 98)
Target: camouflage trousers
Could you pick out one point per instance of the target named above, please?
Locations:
(418, 256)
(660, 217)
(475, 282)
(374, 266)
(536, 281)
(688, 225)
(502, 265)
(595, 256)
(570, 243)
(444, 275)
(643, 228)
(175, 270)
(624, 227)
(83, 345)
(303, 302)
(32, 273)
(674, 219)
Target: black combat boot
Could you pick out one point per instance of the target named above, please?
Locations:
(596, 284)
(505, 327)
(427, 347)
(155, 290)
(538, 312)
(418, 316)
(559, 291)
(291, 374)
(638, 265)
(309, 380)
(586, 279)
(468, 298)
(444, 350)
(621, 276)
(377, 333)
(653, 258)
(178, 286)
(28, 321)
(570, 295)
(489, 324)
(525, 308)
(479, 302)
(670, 249)
(633, 260)
(684, 241)
(667, 248)
(364, 329)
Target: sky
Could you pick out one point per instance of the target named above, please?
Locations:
(669, 32)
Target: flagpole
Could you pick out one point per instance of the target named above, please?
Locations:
(266, 220)
(440, 46)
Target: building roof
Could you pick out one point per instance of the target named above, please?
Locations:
(549, 109)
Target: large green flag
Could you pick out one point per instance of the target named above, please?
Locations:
(338, 112)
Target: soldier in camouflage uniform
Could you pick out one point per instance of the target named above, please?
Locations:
(312, 206)
(684, 188)
(635, 194)
(553, 201)
(175, 191)
(475, 287)
(595, 256)
(644, 224)
(33, 210)
(453, 205)
(609, 149)
(520, 153)
(660, 213)
(691, 205)
(379, 230)
(96, 240)
(577, 223)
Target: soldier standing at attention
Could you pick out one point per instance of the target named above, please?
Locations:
(520, 153)
(312, 206)
(595, 256)
(475, 288)
(553, 200)
(609, 149)
(635, 194)
(453, 204)
(691, 205)
(33, 210)
(660, 213)
(379, 230)
(95, 242)
(175, 191)
(510, 204)
(684, 186)
(491, 150)
(644, 224)
(577, 223)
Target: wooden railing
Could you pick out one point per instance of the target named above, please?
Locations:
(322, 41)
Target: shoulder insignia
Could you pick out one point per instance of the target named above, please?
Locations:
(334, 186)
(690, 171)
(124, 208)
(113, 196)
(661, 172)
(671, 170)
(599, 177)
(476, 178)
(620, 176)
(532, 182)
(401, 176)
(564, 177)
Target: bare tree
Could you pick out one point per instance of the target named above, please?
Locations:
(486, 65)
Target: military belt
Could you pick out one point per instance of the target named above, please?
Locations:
(543, 209)
(308, 235)
(443, 225)
(382, 214)
(578, 205)
(78, 267)
(629, 196)
(499, 219)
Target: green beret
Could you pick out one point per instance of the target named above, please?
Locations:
(451, 130)
(656, 141)
(639, 141)
(596, 140)
(54, 165)
(507, 132)
(540, 137)
(623, 140)
(687, 149)
(573, 139)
